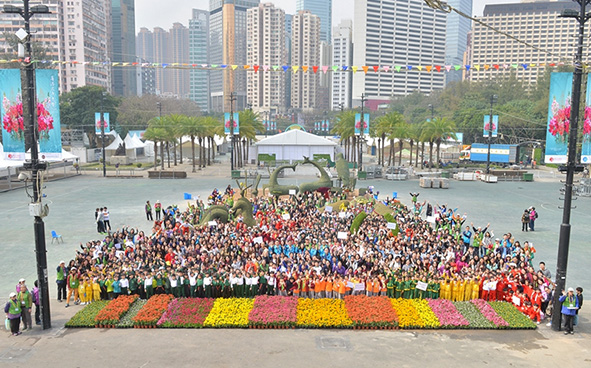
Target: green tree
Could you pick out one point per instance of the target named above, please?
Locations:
(436, 131)
(344, 127)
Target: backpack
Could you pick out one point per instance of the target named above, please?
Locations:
(536, 215)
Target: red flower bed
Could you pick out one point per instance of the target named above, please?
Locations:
(373, 311)
(153, 310)
(112, 313)
(186, 312)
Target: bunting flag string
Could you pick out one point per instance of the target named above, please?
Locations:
(305, 68)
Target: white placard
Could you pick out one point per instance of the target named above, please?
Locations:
(431, 219)
(516, 300)
(328, 209)
(350, 284)
(422, 285)
(258, 239)
(292, 192)
(286, 216)
(342, 214)
(212, 223)
(342, 235)
(360, 286)
(391, 225)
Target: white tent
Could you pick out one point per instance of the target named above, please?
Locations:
(293, 145)
(133, 147)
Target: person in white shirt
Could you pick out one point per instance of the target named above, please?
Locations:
(124, 283)
(148, 286)
(271, 283)
(193, 283)
(106, 221)
(207, 285)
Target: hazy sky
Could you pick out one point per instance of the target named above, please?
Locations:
(162, 13)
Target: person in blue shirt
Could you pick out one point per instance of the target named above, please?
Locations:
(570, 304)
(116, 287)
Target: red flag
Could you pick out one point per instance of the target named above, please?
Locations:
(438, 67)
(496, 66)
(375, 68)
(256, 68)
(315, 68)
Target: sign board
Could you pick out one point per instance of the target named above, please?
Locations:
(258, 240)
(212, 223)
(391, 225)
(286, 216)
(516, 300)
(292, 192)
(431, 219)
(342, 235)
(359, 286)
(422, 285)
(342, 214)
(328, 209)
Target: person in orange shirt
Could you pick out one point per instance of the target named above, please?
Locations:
(461, 290)
(468, 289)
(383, 285)
(475, 289)
(342, 287)
(319, 286)
(329, 287)
(455, 287)
(376, 287)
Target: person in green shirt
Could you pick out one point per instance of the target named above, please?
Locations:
(390, 287)
(109, 285)
(26, 301)
(133, 284)
(13, 314)
(398, 288)
(200, 289)
(73, 282)
(262, 283)
(61, 281)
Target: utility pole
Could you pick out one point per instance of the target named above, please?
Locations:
(232, 99)
(571, 165)
(32, 138)
(490, 132)
(361, 137)
(103, 134)
(159, 105)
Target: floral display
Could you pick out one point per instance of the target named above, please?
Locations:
(408, 317)
(512, 315)
(127, 320)
(186, 312)
(13, 121)
(426, 314)
(112, 313)
(153, 310)
(232, 312)
(560, 122)
(447, 314)
(317, 313)
(473, 315)
(85, 317)
(371, 311)
(488, 312)
(274, 311)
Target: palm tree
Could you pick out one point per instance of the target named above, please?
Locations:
(175, 122)
(157, 134)
(440, 129)
(345, 128)
(213, 127)
(382, 130)
(402, 132)
(193, 127)
(388, 124)
(249, 125)
(168, 126)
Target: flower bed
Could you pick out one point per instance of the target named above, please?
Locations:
(231, 312)
(427, 316)
(152, 310)
(473, 315)
(112, 313)
(447, 314)
(323, 313)
(490, 314)
(186, 312)
(85, 317)
(127, 320)
(371, 311)
(512, 315)
(408, 317)
(271, 311)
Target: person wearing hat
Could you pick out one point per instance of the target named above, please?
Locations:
(26, 302)
(73, 282)
(62, 273)
(570, 304)
(158, 209)
(18, 286)
(13, 313)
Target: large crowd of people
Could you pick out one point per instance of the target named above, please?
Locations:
(301, 245)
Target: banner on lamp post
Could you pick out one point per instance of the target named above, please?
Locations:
(586, 145)
(558, 118)
(495, 126)
(228, 123)
(105, 122)
(358, 127)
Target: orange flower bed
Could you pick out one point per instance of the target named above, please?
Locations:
(371, 311)
(153, 310)
(112, 313)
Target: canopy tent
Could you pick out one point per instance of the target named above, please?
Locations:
(293, 145)
(134, 147)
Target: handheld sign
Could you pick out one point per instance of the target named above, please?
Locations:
(422, 285)
(342, 235)
(212, 223)
(391, 225)
(328, 209)
(292, 192)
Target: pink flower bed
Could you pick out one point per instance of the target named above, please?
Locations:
(274, 311)
(447, 313)
(186, 312)
(489, 313)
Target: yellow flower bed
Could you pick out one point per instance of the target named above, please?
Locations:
(408, 317)
(426, 314)
(323, 313)
(231, 312)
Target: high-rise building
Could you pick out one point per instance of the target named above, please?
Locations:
(145, 45)
(537, 23)
(199, 55)
(342, 54)
(288, 26)
(178, 53)
(305, 51)
(397, 33)
(266, 47)
(323, 9)
(324, 79)
(160, 55)
(122, 46)
(456, 41)
(227, 30)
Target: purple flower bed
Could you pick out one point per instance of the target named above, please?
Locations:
(447, 313)
(490, 314)
(274, 311)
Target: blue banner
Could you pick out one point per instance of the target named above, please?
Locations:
(98, 125)
(558, 117)
(358, 127)
(586, 146)
(48, 114)
(495, 126)
(11, 112)
(228, 123)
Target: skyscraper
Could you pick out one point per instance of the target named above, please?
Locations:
(323, 9)
(199, 54)
(456, 40)
(397, 33)
(227, 29)
(266, 47)
(305, 51)
(178, 53)
(123, 48)
(160, 55)
(342, 54)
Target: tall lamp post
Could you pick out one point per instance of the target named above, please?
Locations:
(361, 135)
(423, 150)
(232, 99)
(493, 98)
(571, 167)
(31, 133)
(103, 133)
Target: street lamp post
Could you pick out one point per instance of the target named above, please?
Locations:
(361, 134)
(159, 106)
(232, 99)
(490, 131)
(31, 133)
(423, 143)
(103, 133)
(571, 166)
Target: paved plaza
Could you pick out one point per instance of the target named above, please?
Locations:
(73, 201)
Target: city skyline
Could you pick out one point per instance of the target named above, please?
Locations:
(148, 12)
